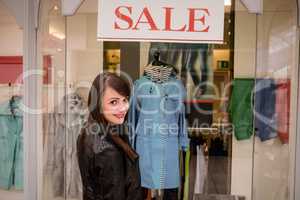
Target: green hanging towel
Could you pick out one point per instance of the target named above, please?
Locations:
(241, 108)
(187, 171)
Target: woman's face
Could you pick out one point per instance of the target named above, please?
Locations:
(114, 106)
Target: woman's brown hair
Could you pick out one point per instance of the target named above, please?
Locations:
(100, 83)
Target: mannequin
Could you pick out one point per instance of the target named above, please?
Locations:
(157, 101)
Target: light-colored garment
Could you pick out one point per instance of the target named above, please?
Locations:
(158, 130)
(62, 133)
(11, 143)
(201, 171)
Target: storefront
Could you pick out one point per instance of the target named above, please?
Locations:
(241, 104)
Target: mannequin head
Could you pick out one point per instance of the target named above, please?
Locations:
(108, 99)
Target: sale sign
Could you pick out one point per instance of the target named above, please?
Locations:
(188, 21)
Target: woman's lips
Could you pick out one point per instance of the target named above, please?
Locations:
(120, 116)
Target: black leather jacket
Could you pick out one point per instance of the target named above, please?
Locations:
(108, 166)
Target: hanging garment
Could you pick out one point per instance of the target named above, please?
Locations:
(190, 53)
(11, 144)
(156, 194)
(48, 147)
(283, 97)
(158, 130)
(241, 108)
(187, 175)
(192, 170)
(63, 130)
(201, 172)
(264, 110)
(170, 194)
(182, 173)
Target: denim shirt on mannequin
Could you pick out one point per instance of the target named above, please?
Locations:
(158, 130)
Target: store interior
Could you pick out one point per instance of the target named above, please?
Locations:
(255, 47)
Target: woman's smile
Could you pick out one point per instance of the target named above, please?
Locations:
(120, 115)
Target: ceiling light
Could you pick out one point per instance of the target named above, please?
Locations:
(56, 33)
(227, 2)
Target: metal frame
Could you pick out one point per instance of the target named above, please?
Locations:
(297, 151)
(32, 126)
(297, 137)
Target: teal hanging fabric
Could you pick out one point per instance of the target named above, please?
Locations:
(11, 143)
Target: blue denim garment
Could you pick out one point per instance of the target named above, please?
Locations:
(265, 101)
(11, 143)
(158, 130)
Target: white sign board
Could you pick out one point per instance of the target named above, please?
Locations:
(188, 21)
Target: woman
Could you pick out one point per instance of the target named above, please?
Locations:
(108, 165)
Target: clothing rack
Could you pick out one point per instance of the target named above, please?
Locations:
(208, 134)
(10, 85)
(202, 129)
(10, 90)
(217, 127)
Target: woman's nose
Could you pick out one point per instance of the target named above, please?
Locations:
(124, 107)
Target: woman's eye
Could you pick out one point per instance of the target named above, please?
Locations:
(114, 102)
(125, 100)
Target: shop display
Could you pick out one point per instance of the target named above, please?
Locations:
(11, 143)
(210, 158)
(263, 109)
(157, 118)
(195, 110)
